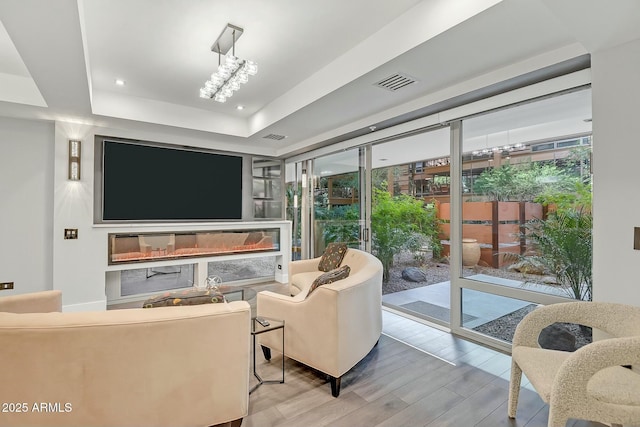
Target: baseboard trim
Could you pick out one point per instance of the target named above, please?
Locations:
(100, 305)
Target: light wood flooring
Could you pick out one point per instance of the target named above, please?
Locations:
(415, 376)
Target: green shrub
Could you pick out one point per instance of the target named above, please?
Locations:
(339, 223)
(564, 245)
(522, 181)
(394, 223)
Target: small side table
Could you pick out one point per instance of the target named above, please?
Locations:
(257, 329)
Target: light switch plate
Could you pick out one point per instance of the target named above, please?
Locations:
(636, 238)
(70, 233)
(6, 285)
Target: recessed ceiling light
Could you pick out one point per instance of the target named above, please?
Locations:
(120, 82)
(240, 107)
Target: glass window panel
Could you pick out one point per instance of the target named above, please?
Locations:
(519, 192)
(336, 194)
(155, 279)
(243, 269)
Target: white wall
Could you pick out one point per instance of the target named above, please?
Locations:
(26, 204)
(79, 265)
(616, 153)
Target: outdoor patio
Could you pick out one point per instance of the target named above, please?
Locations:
(478, 307)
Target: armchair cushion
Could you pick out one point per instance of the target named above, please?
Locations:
(332, 256)
(616, 385)
(330, 277)
(545, 365)
(187, 297)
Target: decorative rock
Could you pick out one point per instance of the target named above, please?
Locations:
(557, 337)
(414, 274)
(527, 266)
(483, 263)
(549, 280)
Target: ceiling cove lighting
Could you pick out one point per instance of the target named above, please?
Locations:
(230, 74)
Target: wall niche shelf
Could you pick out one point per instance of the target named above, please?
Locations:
(267, 188)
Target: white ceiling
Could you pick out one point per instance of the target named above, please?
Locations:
(318, 61)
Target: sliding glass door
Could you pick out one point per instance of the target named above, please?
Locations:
(523, 212)
(410, 181)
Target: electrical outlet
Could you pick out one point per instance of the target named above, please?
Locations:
(6, 285)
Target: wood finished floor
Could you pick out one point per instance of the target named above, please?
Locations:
(416, 376)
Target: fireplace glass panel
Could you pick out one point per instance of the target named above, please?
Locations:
(145, 247)
(243, 269)
(155, 279)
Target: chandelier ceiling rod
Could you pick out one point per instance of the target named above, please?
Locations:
(234, 72)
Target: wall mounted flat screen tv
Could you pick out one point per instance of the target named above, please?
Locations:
(153, 183)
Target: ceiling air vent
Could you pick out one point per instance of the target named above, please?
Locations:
(395, 82)
(274, 137)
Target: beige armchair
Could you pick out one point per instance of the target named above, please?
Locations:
(167, 366)
(335, 326)
(595, 382)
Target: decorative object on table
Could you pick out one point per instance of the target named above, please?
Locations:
(193, 296)
(213, 283)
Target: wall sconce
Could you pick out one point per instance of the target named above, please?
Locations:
(304, 178)
(74, 160)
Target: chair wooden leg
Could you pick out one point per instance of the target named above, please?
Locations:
(335, 386)
(514, 389)
(234, 423)
(266, 351)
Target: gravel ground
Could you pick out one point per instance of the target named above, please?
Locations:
(437, 272)
(504, 327)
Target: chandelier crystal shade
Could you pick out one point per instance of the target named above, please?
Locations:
(231, 74)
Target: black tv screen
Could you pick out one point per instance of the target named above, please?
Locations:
(144, 182)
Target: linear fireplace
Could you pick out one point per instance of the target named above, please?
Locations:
(127, 248)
